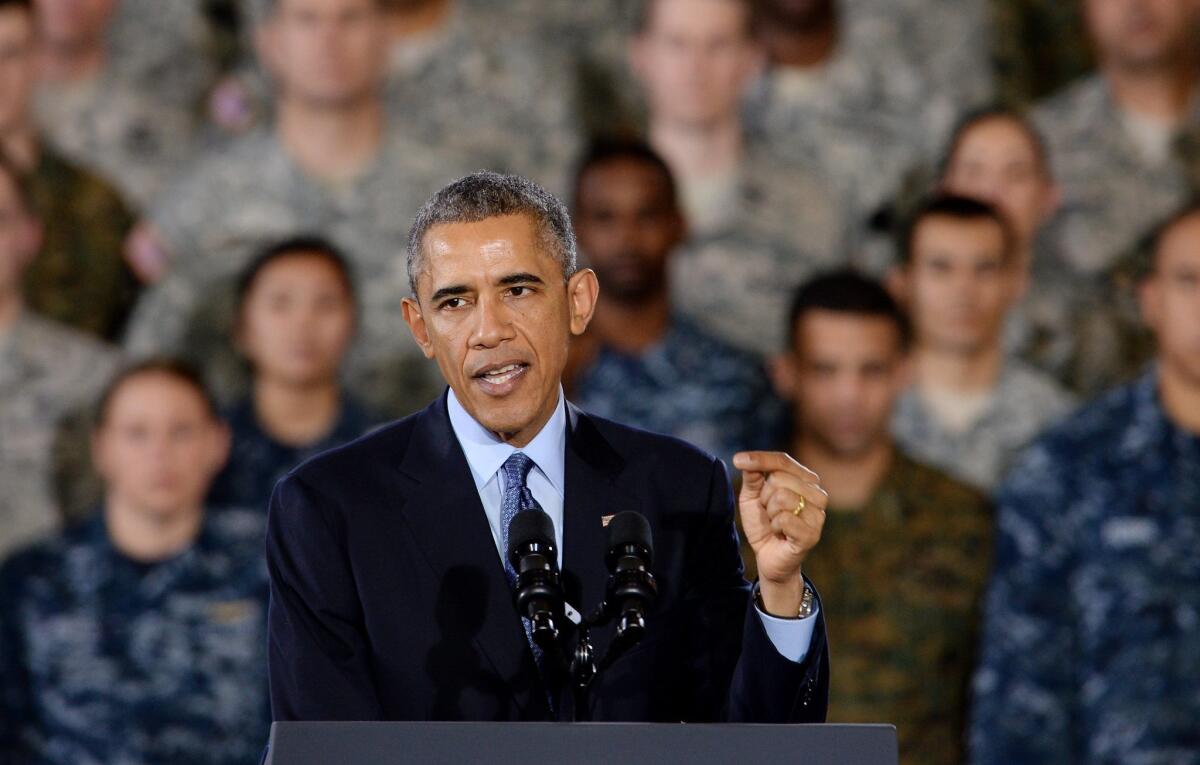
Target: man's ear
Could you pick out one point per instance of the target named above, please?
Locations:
(782, 370)
(583, 290)
(416, 324)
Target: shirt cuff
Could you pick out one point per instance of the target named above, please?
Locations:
(791, 637)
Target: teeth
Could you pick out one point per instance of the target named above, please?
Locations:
(504, 374)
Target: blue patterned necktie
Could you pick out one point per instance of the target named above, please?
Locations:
(518, 499)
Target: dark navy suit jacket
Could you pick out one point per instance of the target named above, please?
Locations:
(389, 602)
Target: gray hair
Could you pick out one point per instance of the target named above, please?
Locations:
(484, 195)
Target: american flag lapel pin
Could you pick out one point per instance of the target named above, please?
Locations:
(605, 520)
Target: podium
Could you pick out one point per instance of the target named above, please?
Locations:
(391, 743)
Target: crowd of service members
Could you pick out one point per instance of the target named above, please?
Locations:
(815, 229)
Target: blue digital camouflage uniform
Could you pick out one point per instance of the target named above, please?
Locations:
(257, 461)
(689, 385)
(1091, 650)
(107, 661)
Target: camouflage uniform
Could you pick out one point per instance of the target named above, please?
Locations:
(257, 460)
(902, 583)
(165, 49)
(506, 101)
(80, 276)
(865, 120)
(242, 197)
(594, 38)
(48, 374)
(1112, 195)
(1022, 404)
(947, 39)
(688, 385)
(736, 283)
(1092, 619)
(108, 661)
(114, 127)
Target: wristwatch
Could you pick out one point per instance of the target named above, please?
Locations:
(807, 602)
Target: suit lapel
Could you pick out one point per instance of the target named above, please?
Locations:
(591, 494)
(447, 518)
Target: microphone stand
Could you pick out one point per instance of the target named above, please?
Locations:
(584, 666)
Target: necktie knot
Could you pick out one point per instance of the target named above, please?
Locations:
(516, 469)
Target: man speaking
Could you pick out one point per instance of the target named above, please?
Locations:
(391, 592)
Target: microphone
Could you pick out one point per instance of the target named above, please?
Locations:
(631, 587)
(539, 593)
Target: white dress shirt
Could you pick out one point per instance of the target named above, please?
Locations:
(486, 454)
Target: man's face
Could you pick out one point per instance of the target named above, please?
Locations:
(74, 23)
(327, 53)
(996, 161)
(959, 285)
(1170, 301)
(694, 59)
(493, 311)
(1141, 34)
(19, 236)
(297, 320)
(16, 68)
(627, 224)
(159, 447)
(848, 370)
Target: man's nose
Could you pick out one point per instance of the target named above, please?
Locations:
(493, 323)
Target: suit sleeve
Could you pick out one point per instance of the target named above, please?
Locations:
(318, 657)
(741, 677)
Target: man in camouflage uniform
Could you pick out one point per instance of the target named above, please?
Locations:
(905, 549)
(166, 49)
(971, 406)
(48, 374)
(843, 95)
(1068, 324)
(79, 277)
(1117, 139)
(949, 40)
(757, 224)
(286, 179)
(95, 114)
(505, 100)
(639, 363)
(140, 635)
(1092, 617)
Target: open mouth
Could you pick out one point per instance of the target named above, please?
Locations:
(501, 379)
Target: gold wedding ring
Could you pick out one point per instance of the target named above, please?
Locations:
(800, 506)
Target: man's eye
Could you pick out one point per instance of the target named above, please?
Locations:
(452, 303)
(518, 291)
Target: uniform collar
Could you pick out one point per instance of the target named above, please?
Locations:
(486, 454)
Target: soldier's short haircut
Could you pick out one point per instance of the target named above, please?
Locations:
(602, 151)
(306, 245)
(849, 292)
(485, 195)
(973, 119)
(957, 208)
(175, 368)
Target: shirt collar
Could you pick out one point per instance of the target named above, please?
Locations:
(486, 454)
